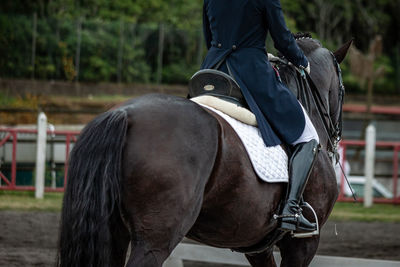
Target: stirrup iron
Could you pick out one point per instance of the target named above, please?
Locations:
(306, 234)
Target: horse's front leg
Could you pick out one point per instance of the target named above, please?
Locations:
(265, 259)
(298, 252)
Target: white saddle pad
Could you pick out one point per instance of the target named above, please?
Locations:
(270, 163)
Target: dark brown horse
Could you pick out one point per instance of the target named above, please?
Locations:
(161, 167)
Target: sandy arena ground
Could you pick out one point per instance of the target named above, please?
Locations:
(29, 239)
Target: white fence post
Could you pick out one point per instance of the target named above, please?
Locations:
(369, 163)
(40, 155)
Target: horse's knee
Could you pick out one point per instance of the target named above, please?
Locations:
(297, 252)
(264, 259)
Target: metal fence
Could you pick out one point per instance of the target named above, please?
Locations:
(382, 145)
(12, 155)
(18, 148)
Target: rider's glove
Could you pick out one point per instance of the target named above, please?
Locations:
(308, 69)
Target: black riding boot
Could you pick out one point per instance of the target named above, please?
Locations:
(300, 165)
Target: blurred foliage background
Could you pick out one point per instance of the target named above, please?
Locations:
(160, 41)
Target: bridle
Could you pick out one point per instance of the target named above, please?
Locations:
(342, 91)
(332, 130)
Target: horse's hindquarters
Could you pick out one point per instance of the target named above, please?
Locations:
(171, 146)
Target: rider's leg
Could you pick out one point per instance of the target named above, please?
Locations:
(301, 162)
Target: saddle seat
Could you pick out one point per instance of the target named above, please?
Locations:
(220, 91)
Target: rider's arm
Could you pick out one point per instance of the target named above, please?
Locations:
(283, 38)
(206, 26)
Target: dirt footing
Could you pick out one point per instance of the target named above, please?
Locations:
(30, 239)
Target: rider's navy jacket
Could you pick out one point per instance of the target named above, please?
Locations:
(237, 30)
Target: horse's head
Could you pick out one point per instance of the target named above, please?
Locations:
(324, 100)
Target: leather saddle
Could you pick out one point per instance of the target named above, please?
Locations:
(216, 83)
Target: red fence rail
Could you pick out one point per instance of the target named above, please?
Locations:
(358, 108)
(12, 134)
(395, 147)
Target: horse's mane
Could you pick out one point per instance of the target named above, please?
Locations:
(306, 42)
(315, 53)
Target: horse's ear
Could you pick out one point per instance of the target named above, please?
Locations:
(341, 53)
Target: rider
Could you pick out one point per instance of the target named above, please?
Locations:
(235, 33)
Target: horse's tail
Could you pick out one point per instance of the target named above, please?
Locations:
(93, 192)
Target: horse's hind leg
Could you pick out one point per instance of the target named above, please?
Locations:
(265, 259)
(160, 209)
(155, 235)
(120, 240)
(298, 252)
